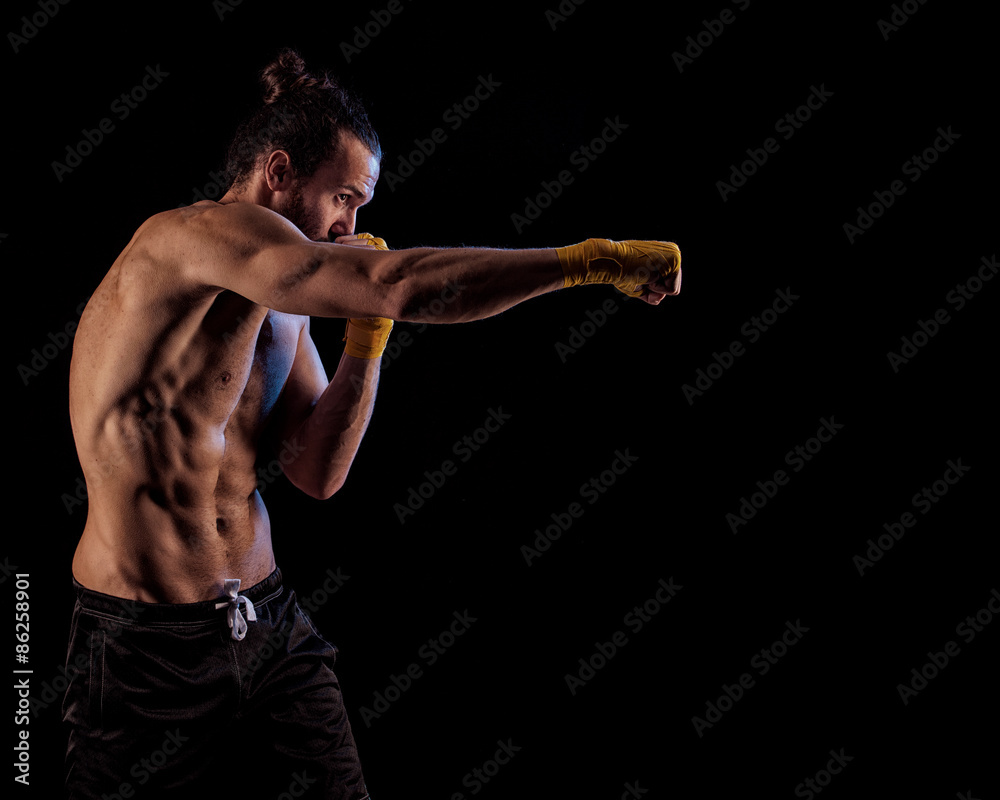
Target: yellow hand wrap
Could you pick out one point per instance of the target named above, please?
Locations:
(373, 241)
(626, 265)
(367, 338)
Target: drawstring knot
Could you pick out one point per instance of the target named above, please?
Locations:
(235, 618)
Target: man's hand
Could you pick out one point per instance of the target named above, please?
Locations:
(649, 271)
(654, 292)
(362, 240)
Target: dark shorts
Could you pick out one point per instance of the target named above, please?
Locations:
(167, 700)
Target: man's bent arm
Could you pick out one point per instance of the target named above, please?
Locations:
(325, 443)
(321, 422)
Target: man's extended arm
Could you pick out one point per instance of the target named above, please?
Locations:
(260, 255)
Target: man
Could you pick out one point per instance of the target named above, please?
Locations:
(193, 362)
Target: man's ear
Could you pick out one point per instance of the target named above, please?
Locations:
(278, 172)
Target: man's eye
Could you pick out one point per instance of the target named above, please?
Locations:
(343, 198)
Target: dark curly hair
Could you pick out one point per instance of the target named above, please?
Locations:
(303, 114)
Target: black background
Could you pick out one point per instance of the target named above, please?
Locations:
(665, 517)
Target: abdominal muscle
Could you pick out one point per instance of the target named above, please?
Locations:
(151, 560)
(170, 529)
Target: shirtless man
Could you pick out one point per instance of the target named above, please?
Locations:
(192, 363)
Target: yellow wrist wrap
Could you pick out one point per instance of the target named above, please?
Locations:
(367, 338)
(626, 265)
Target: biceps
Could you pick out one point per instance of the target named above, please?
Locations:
(322, 280)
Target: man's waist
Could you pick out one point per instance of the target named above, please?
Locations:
(141, 612)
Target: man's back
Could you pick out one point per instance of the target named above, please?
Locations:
(172, 385)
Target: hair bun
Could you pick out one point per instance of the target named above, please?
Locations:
(286, 74)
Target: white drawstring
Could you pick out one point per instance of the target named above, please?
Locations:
(236, 621)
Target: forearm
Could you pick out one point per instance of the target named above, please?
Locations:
(475, 282)
(328, 439)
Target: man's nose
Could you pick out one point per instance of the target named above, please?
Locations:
(344, 226)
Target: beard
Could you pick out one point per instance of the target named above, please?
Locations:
(305, 219)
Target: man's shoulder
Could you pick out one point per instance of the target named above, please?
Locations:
(216, 224)
(163, 226)
(172, 219)
(169, 247)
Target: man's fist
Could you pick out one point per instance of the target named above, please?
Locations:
(647, 270)
(362, 240)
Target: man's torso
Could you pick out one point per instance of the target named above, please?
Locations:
(174, 394)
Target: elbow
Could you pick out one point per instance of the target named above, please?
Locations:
(435, 303)
(394, 291)
(329, 488)
(407, 292)
(318, 487)
(322, 490)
